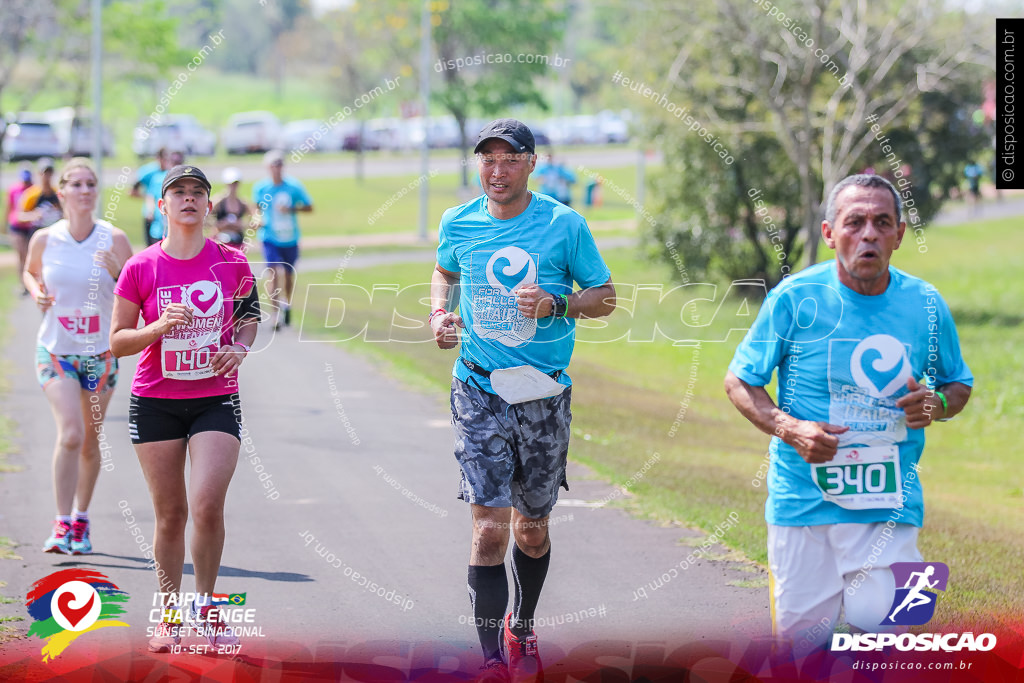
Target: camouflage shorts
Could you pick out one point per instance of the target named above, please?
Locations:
(510, 455)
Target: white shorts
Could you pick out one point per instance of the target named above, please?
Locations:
(816, 570)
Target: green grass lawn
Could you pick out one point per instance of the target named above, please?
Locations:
(345, 206)
(634, 399)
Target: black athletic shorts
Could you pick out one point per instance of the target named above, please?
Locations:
(166, 419)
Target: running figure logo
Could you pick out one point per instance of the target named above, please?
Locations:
(914, 603)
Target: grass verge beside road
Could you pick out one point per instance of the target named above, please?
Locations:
(9, 284)
(647, 401)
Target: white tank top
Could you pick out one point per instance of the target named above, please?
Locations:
(78, 323)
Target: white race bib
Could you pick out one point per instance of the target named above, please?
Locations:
(523, 383)
(188, 359)
(83, 324)
(862, 478)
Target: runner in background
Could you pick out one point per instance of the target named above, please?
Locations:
(556, 180)
(230, 211)
(278, 198)
(151, 194)
(70, 272)
(142, 178)
(198, 303)
(974, 172)
(40, 205)
(21, 231)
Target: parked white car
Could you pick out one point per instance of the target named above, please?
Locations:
(74, 133)
(613, 127)
(307, 135)
(442, 132)
(388, 133)
(30, 137)
(253, 131)
(180, 132)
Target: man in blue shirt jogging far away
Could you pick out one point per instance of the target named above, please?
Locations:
(511, 256)
(278, 199)
(867, 358)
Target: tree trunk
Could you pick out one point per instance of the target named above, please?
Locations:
(812, 226)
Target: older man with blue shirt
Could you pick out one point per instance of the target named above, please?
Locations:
(511, 257)
(867, 358)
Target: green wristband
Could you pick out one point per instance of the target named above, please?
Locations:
(945, 404)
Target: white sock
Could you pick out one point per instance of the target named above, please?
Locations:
(81, 514)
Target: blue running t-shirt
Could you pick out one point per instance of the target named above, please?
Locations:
(844, 358)
(280, 225)
(548, 244)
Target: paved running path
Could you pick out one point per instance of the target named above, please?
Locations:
(362, 471)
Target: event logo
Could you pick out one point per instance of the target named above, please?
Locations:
(70, 603)
(510, 268)
(914, 603)
(879, 365)
(204, 298)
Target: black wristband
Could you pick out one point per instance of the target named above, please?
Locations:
(560, 306)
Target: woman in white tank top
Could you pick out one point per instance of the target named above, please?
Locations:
(70, 272)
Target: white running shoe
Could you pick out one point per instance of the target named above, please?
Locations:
(208, 622)
(165, 637)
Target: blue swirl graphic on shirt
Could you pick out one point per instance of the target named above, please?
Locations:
(502, 266)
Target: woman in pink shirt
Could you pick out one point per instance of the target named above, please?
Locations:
(199, 304)
(21, 231)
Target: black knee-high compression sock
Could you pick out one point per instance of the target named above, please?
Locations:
(528, 574)
(488, 594)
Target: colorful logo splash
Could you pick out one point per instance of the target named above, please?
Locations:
(70, 603)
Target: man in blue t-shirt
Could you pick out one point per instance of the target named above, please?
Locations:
(278, 199)
(149, 185)
(867, 358)
(139, 189)
(512, 256)
(556, 180)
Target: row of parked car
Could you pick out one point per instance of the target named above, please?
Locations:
(60, 132)
(260, 131)
(54, 133)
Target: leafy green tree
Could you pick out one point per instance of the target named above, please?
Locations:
(815, 78)
(491, 31)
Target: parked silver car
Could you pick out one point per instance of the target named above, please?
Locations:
(181, 132)
(253, 131)
(30, 137)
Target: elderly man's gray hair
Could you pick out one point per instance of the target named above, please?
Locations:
(864, 180)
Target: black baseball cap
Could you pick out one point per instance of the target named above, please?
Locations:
(184, 171)
(515, 133)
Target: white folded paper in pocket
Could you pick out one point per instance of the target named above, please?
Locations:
(524, 383)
